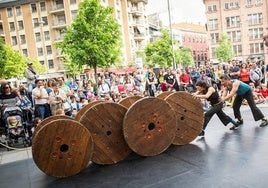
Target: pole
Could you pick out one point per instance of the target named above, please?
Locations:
(171, 36)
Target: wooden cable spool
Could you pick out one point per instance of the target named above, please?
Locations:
(164, 94)
(105, 122)
(47, 120)
(149, 126)
(190, 116)
(128, 101)
(62, 148)
(81, 112)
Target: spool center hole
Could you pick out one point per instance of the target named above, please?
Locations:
(151, 126)
(64, 148)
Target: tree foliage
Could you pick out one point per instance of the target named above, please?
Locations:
(185, 56)
(3, 56)
(13, 64)
(94, 37)
(224, 51)
(159, 52)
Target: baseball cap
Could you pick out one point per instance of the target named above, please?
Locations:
(29, 63)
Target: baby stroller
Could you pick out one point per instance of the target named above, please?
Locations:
(16, 130)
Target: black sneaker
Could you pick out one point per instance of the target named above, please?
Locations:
(202, 133)
(240, 122)
(264, 123)
(235, 126)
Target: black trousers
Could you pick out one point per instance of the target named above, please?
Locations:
(257, 114)
(217, 109)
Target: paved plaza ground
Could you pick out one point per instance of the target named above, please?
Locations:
(223, 158)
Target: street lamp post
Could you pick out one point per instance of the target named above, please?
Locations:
(171, 36)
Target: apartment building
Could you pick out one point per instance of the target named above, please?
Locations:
(245, 21)
(33, 26)
(195, 37)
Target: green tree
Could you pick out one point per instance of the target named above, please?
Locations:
(185, 56)
(14, 63)
(3, 57)
(224, 51)
(159, 52)
(94, 37)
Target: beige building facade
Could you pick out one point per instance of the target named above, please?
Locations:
(33, 26)
(245, 22)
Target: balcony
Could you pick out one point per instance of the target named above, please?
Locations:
(59, 24)
(136, 11)
(138, 1)
(58, 38)
(139, 37)
(57, 9)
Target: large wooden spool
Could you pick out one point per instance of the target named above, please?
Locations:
(149, 126)
(81, 112)
(164, 94)
(47, 120)
(190, 116)
(128, 101)
(105, 122)
(62, 148)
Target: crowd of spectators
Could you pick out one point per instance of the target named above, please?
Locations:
(68, 95)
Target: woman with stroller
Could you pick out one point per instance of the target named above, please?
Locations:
(8, 100)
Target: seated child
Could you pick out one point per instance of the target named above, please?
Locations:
(264, 91)
(14, 126)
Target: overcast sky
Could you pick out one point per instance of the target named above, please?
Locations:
(192, 11)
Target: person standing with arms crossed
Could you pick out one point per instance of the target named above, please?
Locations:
(242, 91)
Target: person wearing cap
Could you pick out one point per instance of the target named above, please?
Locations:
(31, 76)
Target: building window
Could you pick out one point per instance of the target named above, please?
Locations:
(12, 26)
(33, 8)
(256, 48)
(234, 36)
(25, 52)
(42, 62)
(9, 12)
(237, 49)
(36, 22)
(42, 6)
(37, 37)
(232, 22)
(20, 23)
(249, 3)
(40, 51)
(256, 33)
(14, 40)
(72, 2)
(259, 2)
(49, 50)
(47, 36)
(118, 14)
(22, 39)
(44, 21)
(50, 64)
(18, 11)
(254, 19)
(226, 6)
(213, 24)
(73, 14)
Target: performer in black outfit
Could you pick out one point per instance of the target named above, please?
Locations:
(204, 91)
